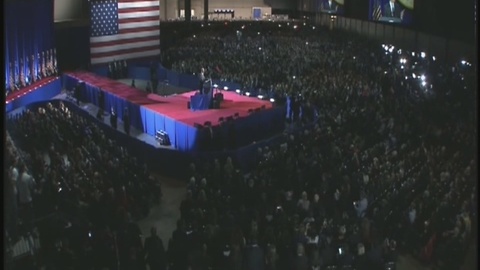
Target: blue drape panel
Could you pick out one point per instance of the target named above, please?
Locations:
(28, 30)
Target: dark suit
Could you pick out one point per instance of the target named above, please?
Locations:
(253, 258)
(126, 123)
(155, 253)
(387, 10)
(113, 120)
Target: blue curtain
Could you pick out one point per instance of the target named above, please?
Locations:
(28, 35)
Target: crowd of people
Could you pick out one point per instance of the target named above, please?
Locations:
(386, 168)
(81, 190)
(380, 163)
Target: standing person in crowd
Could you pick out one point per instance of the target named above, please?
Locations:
(26, 187)
(113, 118)
(126, 121)
(154, 250)
(77, 93)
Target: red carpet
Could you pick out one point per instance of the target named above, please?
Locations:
(175, 106)
(28, 89)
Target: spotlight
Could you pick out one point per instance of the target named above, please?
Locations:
(313, 27)
(463, 62)
(424, 83)
(294, 77)
(238, 91)
(272, 100)
(279, 25)
(422, 77)
(306, 43)
(433, 58)
(260, 96)
(247, 94)
(225, 88)
(258, 33)
(215, 85)
(414, 75)
(295, 27)
(422, 54)
(413, 53)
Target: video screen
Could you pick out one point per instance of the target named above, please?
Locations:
(392, 11)
(331, 6)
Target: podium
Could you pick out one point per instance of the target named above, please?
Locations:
(390, 19)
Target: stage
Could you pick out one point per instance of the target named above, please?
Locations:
(44, 89)
(250, 119)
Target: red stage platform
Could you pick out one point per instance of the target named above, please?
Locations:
(175, 106)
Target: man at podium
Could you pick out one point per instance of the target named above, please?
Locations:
(329, 6)
(393, 10)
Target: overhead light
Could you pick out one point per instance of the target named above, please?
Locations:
(424, 83)
(272, 100)
(225, 88)
(260, 96)
(247, 94)
(238, 91)
(215, 85)
(433, 58)
(313, 27)
(414, 75)
(422, 54)
(422, 77)
(463, 62)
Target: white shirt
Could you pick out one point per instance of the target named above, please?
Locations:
(25, 187)
(412, 215)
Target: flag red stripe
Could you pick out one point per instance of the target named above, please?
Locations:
(141, 19)
(126, 51)
(138, 9)
(122, 41)
(140, 29)
(128, 1)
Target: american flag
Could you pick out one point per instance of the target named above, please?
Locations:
(123, 29)
(377, 11)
